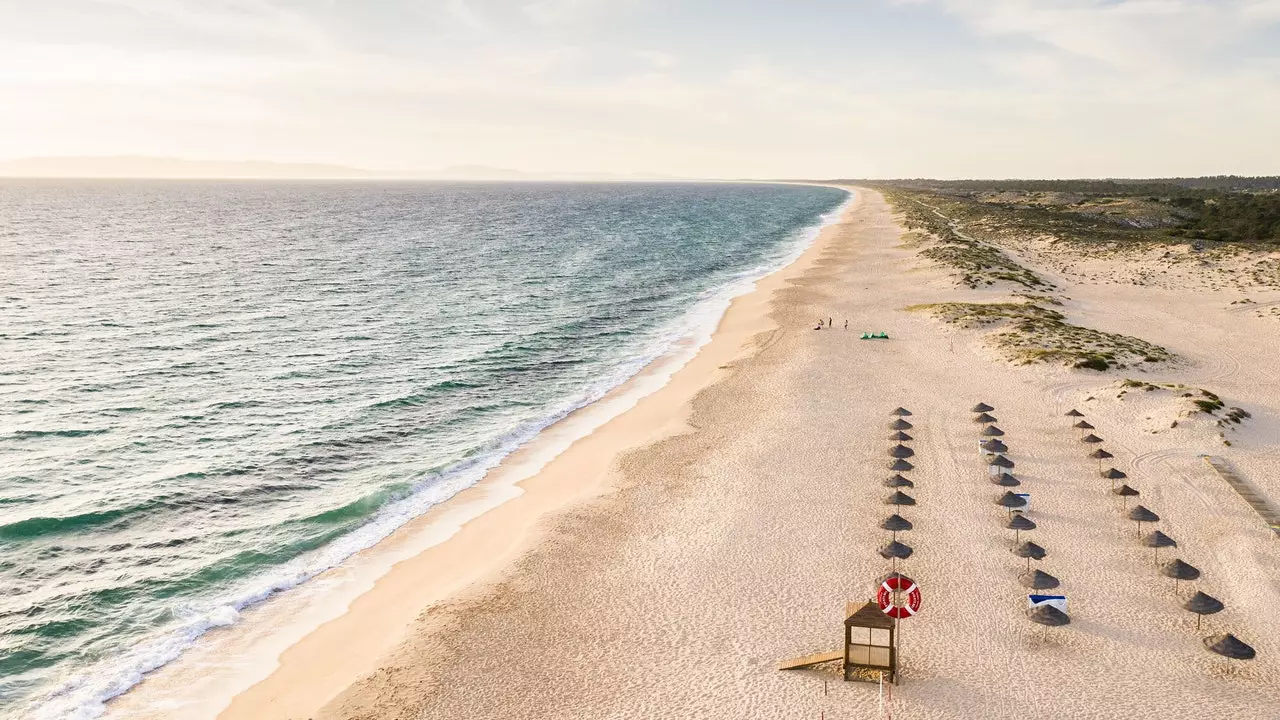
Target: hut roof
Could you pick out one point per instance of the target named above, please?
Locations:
(1004, 479)
(1048, 615)
(982, 407)
(1038, 580)
(1010, 500)
(1091, 439)
(900, 465)
(1021, 522)
(1229, 645)
(900, 436)
(900, 498)
(867, 615)
(992, 431)
(1126, 491)
(1114, 474)
(1031, 550)
(901, 451)
(898, 481)
(896, 523)
(1074, 413)
(1202, 604)
(896, 549)
(1158, 539)
(1176, 568)
(900, 412)
(1142, 514)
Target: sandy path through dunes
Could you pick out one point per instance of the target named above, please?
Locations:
(735, 545)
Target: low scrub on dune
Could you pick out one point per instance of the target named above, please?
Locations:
(1027, 333)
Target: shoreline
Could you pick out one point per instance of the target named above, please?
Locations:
(360, 610)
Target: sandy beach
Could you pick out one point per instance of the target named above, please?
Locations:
(663, 565)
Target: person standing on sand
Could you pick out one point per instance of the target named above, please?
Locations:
(829, 325)
(846, 323)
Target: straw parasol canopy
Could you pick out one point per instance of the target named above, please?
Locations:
(1228, 645)
(1114, 474)
(1074, 413)
(1179, 571)
(1011, 501)
(1006, 480)
(1038, 580)
(901, 412)
(896, 551)
(1140, 514)
(1018, 523)
(1048, 615)
(994, 445)
(1001, 461)
(982, 407)
(992, 431)
(984, 419)
(1202, 605)
(901, 451)
(1101, 454)
(900, 465)
(1030, 551)
(895, 481)
(900, 424)
(900, 498)
(1091, 439)
(1126, 492)
(900, 436)
(896, 523)
(1157, 540)
(1083, 425)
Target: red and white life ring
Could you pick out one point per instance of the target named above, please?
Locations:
(884, 597)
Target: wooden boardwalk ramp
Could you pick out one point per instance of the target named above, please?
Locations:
(810, 660)
(1246, 491)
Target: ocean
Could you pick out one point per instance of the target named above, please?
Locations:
(212, 391)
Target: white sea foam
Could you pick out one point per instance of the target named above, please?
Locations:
(85, 696)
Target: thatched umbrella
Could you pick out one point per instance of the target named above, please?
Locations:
(1140, 514)
(1030, 551)
(1038, 580)
(1083, 425)
(984, 419)
(900, 498)
(994, 445)
(1179, 571)
(1018, 523)
(901, 412)
(1048, 615)
(992, 431)
(900, 436)
(1074, 413)
(896, 551)
(901, 465)
(895, 524)
(1004, 479)
(900, 424)
(1159, 540)
(1126, 492)
(1100, 455)
(1091, 439)
(1230, 646)
(901, 451)
(1202, 605)
(896, 481)
(1113, 475)
(1010, 501)
(982, 407)
(1001, 461)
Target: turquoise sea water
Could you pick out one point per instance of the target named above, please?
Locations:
(212, 391)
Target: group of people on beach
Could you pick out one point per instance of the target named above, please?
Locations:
(829, 324)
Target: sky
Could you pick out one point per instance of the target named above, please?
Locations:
(689, 88)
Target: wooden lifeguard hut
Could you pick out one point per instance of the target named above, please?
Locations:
(870, 651)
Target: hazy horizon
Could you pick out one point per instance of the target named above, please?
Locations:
(700, 89)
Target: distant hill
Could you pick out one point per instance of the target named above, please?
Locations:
(132, 166)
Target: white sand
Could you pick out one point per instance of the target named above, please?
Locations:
(717, 552)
